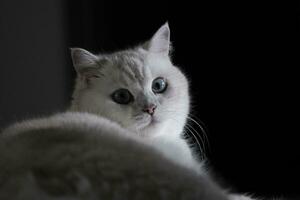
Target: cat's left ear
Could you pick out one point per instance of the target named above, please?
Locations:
(85, 63)
(160, 42)
(82, 58)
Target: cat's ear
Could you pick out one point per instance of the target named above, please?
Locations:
(160, 41)
(85, 63)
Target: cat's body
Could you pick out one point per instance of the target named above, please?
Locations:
(130, 147)
(83, 156)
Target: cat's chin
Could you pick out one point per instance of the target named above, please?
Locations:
(146, 127)
(151, 123)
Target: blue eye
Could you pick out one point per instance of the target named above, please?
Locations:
(122, 96)
(159, 85)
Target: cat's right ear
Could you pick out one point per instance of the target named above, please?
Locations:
(84, 62)
(160, 41)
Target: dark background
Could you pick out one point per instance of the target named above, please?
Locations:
(238, 55)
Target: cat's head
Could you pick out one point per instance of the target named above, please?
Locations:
(138, 88)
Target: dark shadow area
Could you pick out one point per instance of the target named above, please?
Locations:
(236, 54)
(34, 72)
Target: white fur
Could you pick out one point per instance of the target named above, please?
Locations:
(173, 105)
(84, 156)
(101, 148)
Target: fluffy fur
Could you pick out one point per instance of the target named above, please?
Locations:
(84, 156)
(105, 150)
(135, 69)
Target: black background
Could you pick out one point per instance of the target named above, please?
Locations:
(237, 54)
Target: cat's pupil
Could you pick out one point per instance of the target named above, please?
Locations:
(159, 85)
(122, 96)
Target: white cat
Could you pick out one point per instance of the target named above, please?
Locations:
(148, 81)
(121, 140)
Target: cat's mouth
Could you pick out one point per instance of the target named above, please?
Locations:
(143, 122)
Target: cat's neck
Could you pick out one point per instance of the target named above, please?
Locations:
(169, 141)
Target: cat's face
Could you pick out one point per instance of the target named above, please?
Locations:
(139, 88)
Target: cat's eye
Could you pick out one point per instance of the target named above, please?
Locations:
(122, 96)
(159, 85)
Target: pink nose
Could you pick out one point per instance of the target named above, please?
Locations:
(150, 109)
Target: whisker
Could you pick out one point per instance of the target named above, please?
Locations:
(200, 137)
(194, 136)
(201, 147)
(202, 130)
(192, 132)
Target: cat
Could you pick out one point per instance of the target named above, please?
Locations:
(136, 72)
(120, 139)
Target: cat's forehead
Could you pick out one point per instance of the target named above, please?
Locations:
(131, 66)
